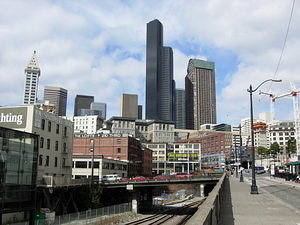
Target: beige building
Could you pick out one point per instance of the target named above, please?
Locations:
(144, 130)
(129, 106)
(86, 124)
(102, 166)
(55, 139)
(168, 158)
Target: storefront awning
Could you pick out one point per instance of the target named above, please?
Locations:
(293, 163)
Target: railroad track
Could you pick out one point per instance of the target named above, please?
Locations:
(175, 216)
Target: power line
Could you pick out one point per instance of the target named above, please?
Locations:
(285, 39)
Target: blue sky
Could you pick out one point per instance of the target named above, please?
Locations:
(98, 48)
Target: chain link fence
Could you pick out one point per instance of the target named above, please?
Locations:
(84, 217)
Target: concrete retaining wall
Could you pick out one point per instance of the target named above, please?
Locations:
(209, 212)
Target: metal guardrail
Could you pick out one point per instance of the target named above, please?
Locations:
(209, 212)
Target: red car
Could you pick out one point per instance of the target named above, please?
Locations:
(183, 175)
(161, 177)
(139, 178)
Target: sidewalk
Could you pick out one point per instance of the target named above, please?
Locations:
(242, 208)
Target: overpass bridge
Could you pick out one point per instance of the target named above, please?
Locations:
(60, 197)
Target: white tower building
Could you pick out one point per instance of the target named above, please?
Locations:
(32, 74)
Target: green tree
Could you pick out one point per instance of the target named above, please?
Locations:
(291, 146)
(263, 151)
(274, 148)
(97, 190)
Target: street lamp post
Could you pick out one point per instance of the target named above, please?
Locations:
(92, 144)
(241, 176)
(250, 90)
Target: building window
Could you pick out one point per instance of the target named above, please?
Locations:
(65, 131)
(80, 164)
(47, 161)
(118, 141)
(49, 126)
(55, 162)
(48, 143)
(57, 128)
(119, 150)
(56, 145)
(65, 147)
(42, 142)
(40, 160)
(96, 164)
(43, 124)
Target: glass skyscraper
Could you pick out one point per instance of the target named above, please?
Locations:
(159, 75)
(180, 109)
(200, 94)
(82, 102)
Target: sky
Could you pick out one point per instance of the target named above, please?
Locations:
(98, 48)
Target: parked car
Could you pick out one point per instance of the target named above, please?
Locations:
(183, 175)
(139, 178)
(111, 178)
(161, 177)
(124, 179)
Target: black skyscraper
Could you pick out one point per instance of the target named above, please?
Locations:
(159, 75)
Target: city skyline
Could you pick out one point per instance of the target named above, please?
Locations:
(92, 53)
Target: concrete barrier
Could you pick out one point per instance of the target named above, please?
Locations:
(209, 212)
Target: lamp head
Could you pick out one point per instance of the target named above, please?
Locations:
(273, 80)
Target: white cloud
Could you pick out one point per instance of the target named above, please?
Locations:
(98, 47)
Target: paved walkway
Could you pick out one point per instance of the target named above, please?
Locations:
(242, 208)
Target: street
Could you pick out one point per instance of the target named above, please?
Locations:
(286, 191)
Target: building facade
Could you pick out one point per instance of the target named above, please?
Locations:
(58, 97)
(214, 143)
(32, 74)
(82, 167)
(55, 139)
(112, 146)
(82, 102)
(169, 158)
(180, 109)
(129, 106)
(159, 75)
(144, 130)
(18, 173)
(200, 94)
(100, 107)
(86, 124)
(281, 132)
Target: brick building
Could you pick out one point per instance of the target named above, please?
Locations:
(214, 143)
(116, 146)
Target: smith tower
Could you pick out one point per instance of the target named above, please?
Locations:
(32, 74)
(159, 75)
(200, 94)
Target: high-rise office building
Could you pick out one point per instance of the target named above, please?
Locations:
(100, 107)
(82, 102)
(58, 97)
(159, 75)
(140, 112)
(32, 74)
(200, 94)
(180, 108)
(129, 106)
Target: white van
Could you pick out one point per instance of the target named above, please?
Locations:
(111, 177)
